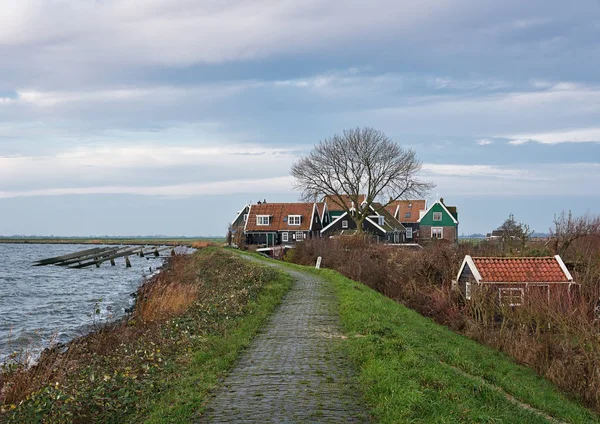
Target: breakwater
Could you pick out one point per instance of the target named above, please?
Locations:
(40, 305)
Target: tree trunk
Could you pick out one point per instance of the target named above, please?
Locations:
(359, 224)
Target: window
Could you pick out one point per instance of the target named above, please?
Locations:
(262, 219)
(437, 232)
(381, 220)
(344, 224)
(408, 232)
(468, 290)
(294, 219)
(245, 217)
(437, 216)
(512, 296)
(299, 235)
(284, 237)
(407, 215)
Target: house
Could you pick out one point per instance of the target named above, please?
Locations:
(241, 218)
(439, 222)
(512, 280)
(335, 204)
(272, 224)
(408, 212)
(379, 222)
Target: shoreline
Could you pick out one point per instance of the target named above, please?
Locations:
(182, 335)
(134, 241)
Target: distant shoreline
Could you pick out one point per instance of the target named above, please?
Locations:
(112, 240)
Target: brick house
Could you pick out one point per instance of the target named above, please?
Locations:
(512, 280)
(273, 224)
(439, 222)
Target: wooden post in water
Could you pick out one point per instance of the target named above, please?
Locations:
(173, 252)
(112, 262)
(127, 262)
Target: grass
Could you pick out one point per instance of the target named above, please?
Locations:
(413, 370)
(187, 330)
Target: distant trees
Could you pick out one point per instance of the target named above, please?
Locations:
(514, 235)
(360, 161)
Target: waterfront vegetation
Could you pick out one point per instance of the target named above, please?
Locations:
(411, 369)
(191, 322)
(558, 340)
(187, 329)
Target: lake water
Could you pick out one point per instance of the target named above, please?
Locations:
(44, 303)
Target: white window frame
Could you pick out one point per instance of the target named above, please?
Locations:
(381, 220)
(511, 289)
(437, 214)
(409, 232)
(245, 217)
(344, 223)
(260, 219)
(468, 290)
(435, 229)
(294, 219)
(299, 236)
(284, 237)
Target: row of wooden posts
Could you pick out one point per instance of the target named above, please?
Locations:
(98, 255)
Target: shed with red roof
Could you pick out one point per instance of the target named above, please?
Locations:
(512, 280)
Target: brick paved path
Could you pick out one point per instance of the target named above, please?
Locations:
(293, 371)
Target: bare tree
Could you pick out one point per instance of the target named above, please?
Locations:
(567, 229)
(361, 161)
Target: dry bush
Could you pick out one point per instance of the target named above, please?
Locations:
(557, 335)
(202, 244)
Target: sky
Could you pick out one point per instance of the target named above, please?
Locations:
(131, 117)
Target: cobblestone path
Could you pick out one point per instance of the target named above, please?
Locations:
(293, 371)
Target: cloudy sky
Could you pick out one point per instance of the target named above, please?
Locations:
(125, 117)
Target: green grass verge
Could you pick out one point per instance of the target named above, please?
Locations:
(156, 372)
(182, 400)
(413, 370)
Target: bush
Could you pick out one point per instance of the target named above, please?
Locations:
(559, 339)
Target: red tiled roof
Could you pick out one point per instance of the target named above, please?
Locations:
(520, 270)
(277, 212)
(333, 202)
(406, 206)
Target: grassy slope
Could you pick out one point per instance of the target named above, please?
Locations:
(164, 373)
(182, 398)
(414, 370)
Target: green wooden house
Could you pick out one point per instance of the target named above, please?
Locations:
(439, 222)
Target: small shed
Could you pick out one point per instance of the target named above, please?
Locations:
(512, 280)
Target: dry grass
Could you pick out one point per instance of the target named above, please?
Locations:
(171, 293)
(560, 338)
(110, 373)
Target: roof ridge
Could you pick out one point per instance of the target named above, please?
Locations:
(513, 257)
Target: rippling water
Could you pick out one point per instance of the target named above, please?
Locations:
(44, 303)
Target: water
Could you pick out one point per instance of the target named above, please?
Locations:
(52, 303)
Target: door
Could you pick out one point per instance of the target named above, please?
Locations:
(270, 239)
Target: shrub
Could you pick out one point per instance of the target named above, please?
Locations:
(557, 337)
